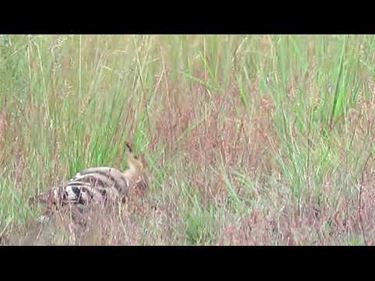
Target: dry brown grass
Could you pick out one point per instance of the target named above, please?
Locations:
(238, 164)
(222, 137)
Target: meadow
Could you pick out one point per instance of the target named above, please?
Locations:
(249, 140)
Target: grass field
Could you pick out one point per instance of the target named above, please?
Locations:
(250, 140)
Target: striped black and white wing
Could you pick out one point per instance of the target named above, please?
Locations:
(94, 184)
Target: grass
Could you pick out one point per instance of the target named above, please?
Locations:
(249, 139)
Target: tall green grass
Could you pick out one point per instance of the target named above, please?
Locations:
(73, 101)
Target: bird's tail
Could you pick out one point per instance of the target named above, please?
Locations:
(43, 198)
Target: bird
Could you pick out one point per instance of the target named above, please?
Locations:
(97, 185)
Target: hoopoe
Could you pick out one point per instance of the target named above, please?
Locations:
(98, 185)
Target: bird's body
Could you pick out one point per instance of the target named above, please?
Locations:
(97, 185)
